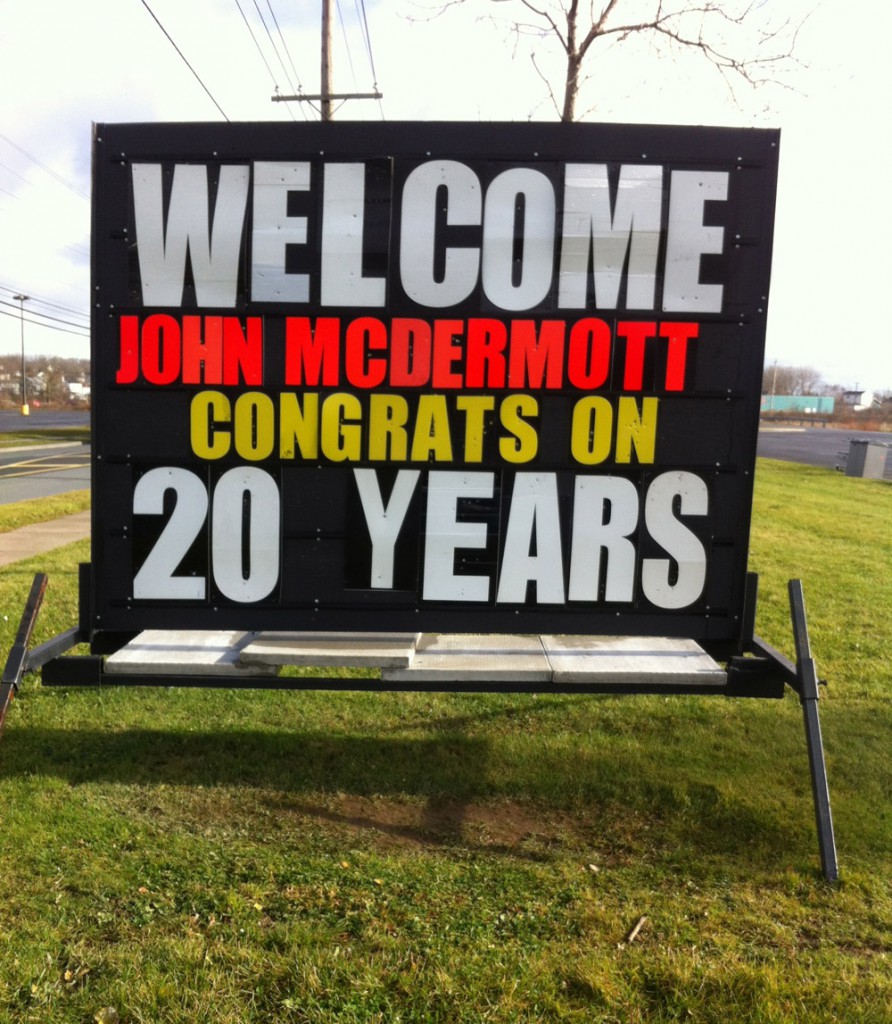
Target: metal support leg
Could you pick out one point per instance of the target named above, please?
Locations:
(808, 696)
(18, 653)
(6, 692)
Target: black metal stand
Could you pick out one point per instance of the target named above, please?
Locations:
(758, 670)
(18, 654)
(808, 696)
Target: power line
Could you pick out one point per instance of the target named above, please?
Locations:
(53, 174)
(368, 42)
(183, 58)
(347, 44)
(272, 41)
(36, 299)
(259, 50)
(15, 174)
(60, 307)
(48, 327)
(78, 250)
(285, 46)
(46, 316)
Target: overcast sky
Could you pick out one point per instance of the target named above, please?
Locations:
(64, 65)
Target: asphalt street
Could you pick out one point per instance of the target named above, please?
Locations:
(34, 470)
(42, 419)
(39, 471)
(817, 446)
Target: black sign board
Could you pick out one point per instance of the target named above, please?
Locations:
(451, 377)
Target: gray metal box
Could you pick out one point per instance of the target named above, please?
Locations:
(866, 459)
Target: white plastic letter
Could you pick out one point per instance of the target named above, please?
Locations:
(537, 252)
(534, 514)
(445, 534)
(161, 248)
(676, 539)
(688, 238)
(592, 234)
(342, 223)
(274, 230)
(384, 523)
(605, 514)
(418, 228)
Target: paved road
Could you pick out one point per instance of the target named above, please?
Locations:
(816, 446)
(38, 472)
(42, 419)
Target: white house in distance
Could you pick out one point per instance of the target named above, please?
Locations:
(860, 401)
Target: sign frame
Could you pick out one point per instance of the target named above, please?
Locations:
(702, 436)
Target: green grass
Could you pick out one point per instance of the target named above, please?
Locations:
(242, 857)
(835, 533)
(42, 510)
(41, 435)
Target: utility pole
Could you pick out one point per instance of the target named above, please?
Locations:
(21, 300)
(326, 96)
(325, 76)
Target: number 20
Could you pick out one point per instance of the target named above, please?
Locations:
(245, 516)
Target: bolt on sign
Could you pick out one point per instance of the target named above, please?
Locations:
(453, 377)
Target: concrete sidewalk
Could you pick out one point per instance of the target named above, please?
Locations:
(28, 541)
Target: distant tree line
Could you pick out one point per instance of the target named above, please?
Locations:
(801, 380)
(48, 378)
(70, 368)
(793, 380)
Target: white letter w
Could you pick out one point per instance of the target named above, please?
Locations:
(162, 250)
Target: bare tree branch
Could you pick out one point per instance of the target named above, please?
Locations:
(701, 27)
(549, 20)
(547, 84)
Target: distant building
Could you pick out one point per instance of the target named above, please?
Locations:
(860, 401)
(800, 405)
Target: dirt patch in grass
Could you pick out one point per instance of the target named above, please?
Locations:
(507, 826)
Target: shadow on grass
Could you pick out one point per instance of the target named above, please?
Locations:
(602, 801)
(287, 761)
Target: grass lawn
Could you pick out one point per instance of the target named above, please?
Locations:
(44, 436)
(185, 856)
(42, 510)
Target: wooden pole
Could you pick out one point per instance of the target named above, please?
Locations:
(325, 78)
